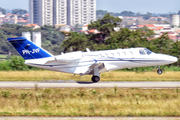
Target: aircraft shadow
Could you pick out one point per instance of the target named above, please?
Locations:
(83, 82)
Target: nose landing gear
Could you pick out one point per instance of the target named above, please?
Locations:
(159, 71)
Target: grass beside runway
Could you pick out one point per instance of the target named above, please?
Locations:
(3, 56)
(109, 76)
(90, 102)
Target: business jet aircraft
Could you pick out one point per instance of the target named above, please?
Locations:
(89, 63)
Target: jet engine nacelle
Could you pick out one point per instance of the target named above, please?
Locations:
(70, 57)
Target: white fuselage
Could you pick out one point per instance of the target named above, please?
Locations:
(81, 62)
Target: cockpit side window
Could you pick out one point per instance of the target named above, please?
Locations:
(142, 52)
(147, 51)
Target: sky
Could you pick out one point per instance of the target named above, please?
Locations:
(142, 6)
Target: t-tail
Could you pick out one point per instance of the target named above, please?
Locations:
(27, 49)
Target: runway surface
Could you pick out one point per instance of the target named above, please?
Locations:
(75, 84)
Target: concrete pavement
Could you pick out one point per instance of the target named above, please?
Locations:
(74, 84)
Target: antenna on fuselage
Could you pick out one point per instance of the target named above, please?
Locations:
(87, 49)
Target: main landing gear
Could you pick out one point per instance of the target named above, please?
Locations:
(95, 78)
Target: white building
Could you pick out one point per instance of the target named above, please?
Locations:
(174, 20)
(70, 12)
(41, 12)
(60, 12)
(36, 37)
(162, 25)
(81, 11)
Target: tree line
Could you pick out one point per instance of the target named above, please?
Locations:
(147, 15)
(14, 11)
(124, 38)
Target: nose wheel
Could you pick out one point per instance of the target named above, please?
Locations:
(159, 71)
(95, 78)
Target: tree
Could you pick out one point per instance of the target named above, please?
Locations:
(127, 13)
(175, 51)
(78, 41)
(11, 30)
(19, 11)
(138, 14)
(165, 15)
(4, 48)
(2, 10)
(146, 17)
(159, 19)
(126, 38)
(17, 63)
(106, 24)
(75, 42)
(179, 12)
(101, 12)
(162, 44)
(148, 13)
(14, 29)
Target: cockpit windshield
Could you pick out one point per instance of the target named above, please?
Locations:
(147, 51)
(144, 51)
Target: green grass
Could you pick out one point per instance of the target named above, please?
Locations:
(89, 102)
(109, 76)
(2, 56)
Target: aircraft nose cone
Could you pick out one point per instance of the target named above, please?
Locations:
(172, 59)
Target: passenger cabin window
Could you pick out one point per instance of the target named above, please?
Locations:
(131, 53)
(118, 54)
(141, 52)
(111, 55)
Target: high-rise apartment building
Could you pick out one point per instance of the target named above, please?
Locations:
(70, 12)
(60, 12)
(41, 12)
(81, 11)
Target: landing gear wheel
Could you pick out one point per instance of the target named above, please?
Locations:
(159, 71)
(95, 78)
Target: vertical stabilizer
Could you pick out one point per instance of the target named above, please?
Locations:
(27, 49)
